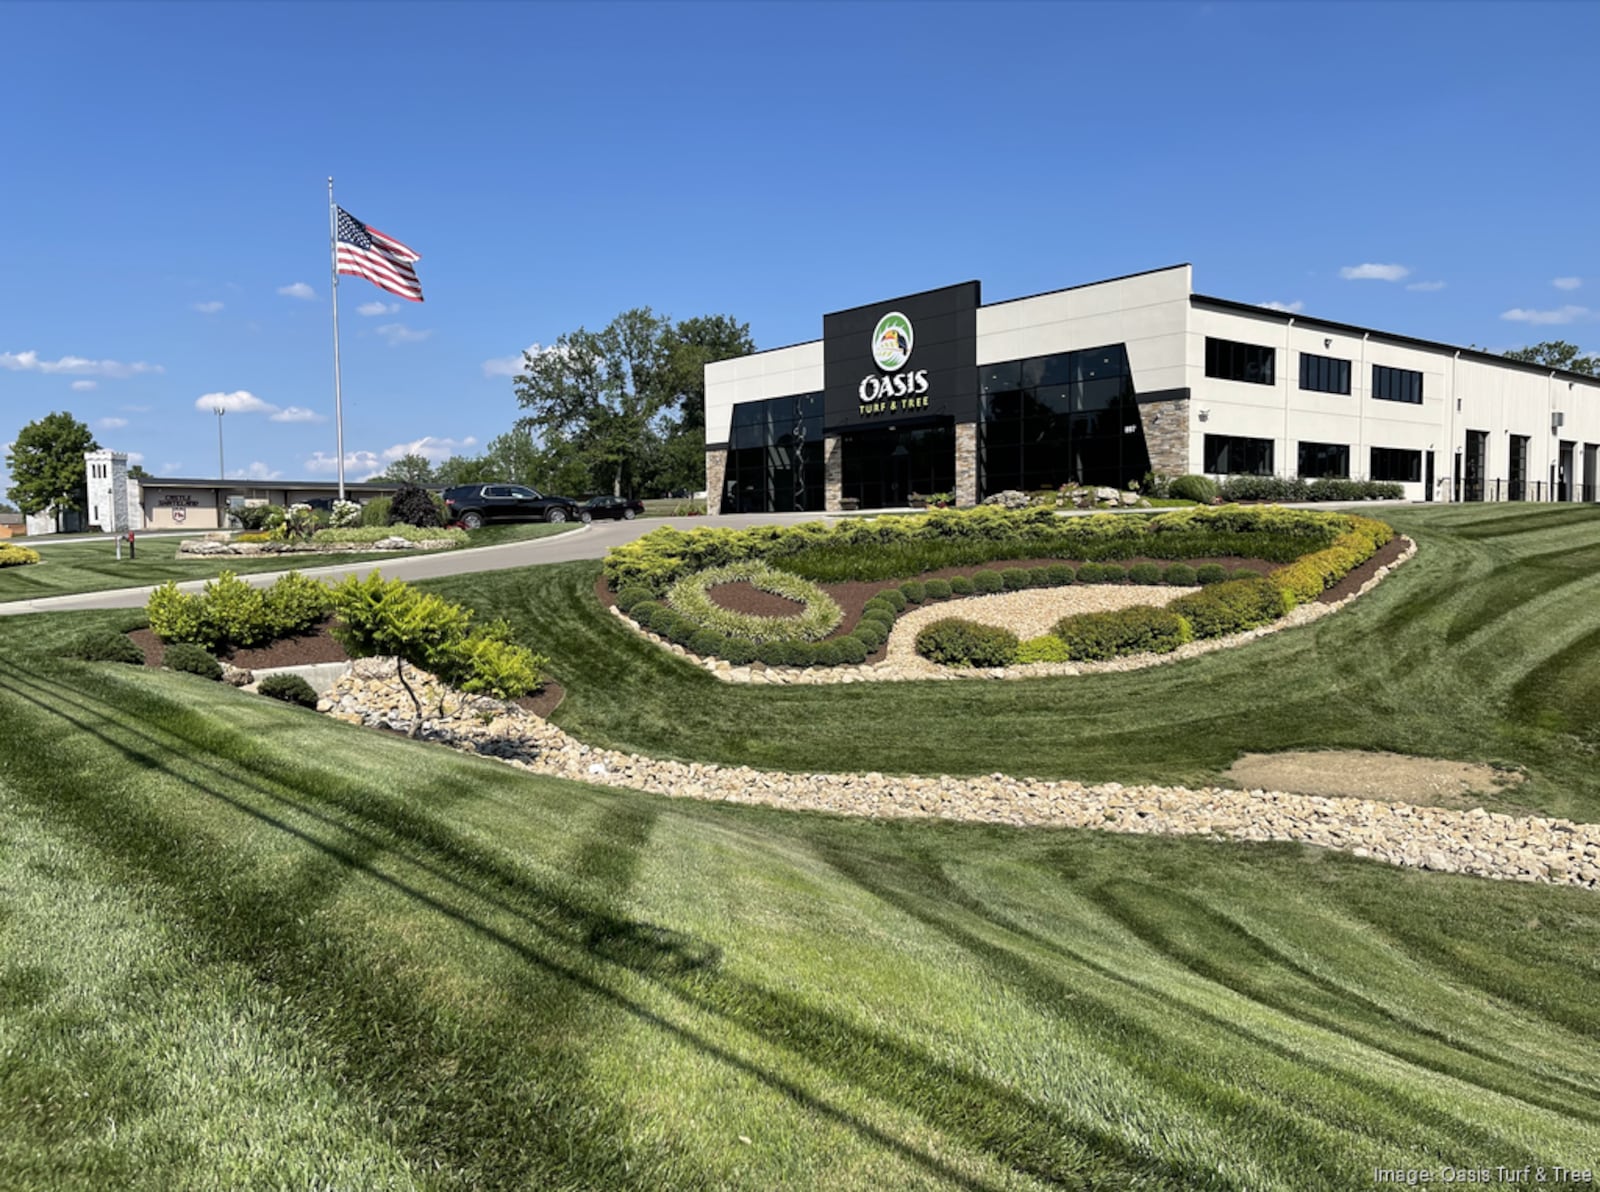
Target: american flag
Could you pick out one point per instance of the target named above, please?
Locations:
(382, 260)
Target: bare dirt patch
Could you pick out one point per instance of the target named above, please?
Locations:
(1384, 777)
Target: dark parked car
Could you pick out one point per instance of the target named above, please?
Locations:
(475, 505)
(622, 507)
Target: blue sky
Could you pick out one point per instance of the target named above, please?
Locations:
(163, 214)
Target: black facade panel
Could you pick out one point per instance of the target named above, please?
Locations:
(944, 352)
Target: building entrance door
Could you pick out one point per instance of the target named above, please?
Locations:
(1591, 460)
(1564, 473)
(1427, 477)
(1477, 464)
(882, 468)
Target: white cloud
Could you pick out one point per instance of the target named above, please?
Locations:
(363, 462)
(1566, 283)
(1426, 287)
(208, 308)
(395, 334)
(240, 401)
(1288, 308)
(111, 424)
(171, 467)
(256, 471)
(298, 290)
(373, 309)
(429, 448)
(84, 386)
(136, 457)
(298, 414)
(508, 366)
(1374, 272)
(1564, 314)
(75, 366)
(370, 463)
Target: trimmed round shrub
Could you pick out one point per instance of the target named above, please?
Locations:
(879, 605)
(799, 653)
(192, 659)
(1210, 573)
(633, 594)
(663, 620)
(740, 651)
(954, 641)
(961, 585)
(706, 644)
(295, 603)
(827, 651)
(375, 511)
(1193, 488)
(872, 634)
(644, 610)
(986, 583)
(1048, 648)
(109, 647)
(937, 589)
(1060, 575)
(682, 632)
(852, 651)
(1144, 573)
(773, 653)
(291, 689)
(1102, 573)
(691, 597)
(876, 616)
(914, 590)
(1142, 629)
(894, 597)
(1039, 577)
(1233, 606)
(12, 555)
(1179, 575)
(1014, 579)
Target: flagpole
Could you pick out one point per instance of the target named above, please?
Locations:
(333, 262)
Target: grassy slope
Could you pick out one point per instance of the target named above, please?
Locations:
(69, 568)
(241, 944)
(1485, 647)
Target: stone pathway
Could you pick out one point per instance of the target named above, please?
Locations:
(1479, 842)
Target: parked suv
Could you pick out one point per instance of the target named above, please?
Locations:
(476, 505)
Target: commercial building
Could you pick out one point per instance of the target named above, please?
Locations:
(1099, 384)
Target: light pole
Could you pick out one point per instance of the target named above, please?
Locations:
(221, 410)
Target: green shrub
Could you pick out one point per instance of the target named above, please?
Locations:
(1039, 577)
(740, 651)
(691, 597)
(1102, 573)
(1210, 573)
(1144, 573)
(662, 620)
(1308, 577)
(871, 633)
(644, 610)
(1179, 575)
(957, 642)
(108, 647)
(488, 662)
(233, 612)
(192, 659)
(772, 653)
(175, 616)
(852, 651)
(706, 644)
(631, 595)
(1142, 629)
(799, 653)
(291, 689)
(253, 517)
(375, 512)
(681, 632)
(914, 591)
(894, 597)
(828, 651)
(961, 585)
(937, 589)
(1193, 488)
(1232, 606)
(1263, 488)
(986, 583)
(367, 534)
(1354, 490)
(1014, 579)
(295, 604)
(1060, 575)
(879, 604)
(1048, 648)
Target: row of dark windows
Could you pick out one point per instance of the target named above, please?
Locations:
(1227, 360)
(1240, 455)
(774, 462)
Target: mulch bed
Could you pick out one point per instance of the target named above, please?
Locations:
(1351, 584)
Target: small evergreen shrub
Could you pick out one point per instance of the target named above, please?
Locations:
(740, 651)
(961, 585)
(1210, 573)
(1179, 575)
(937, 589)
(799, 653)
(488, 662)
(109, 647)
(894, 597)
(1048, 648)
(1014, 579)
(681, 632)
(375, 512)
(291, 689)
(986, 583)
(706, 644)
(174, 616)
(852, 651)
(295, 604)
(192, 659)
(871, 634)
(253, 517)
(827, 651)
(914, 591)
(631, 595)
(1060, 575)
(1093, 637)
(1102, 573)
(1039, 577)
(644, 610)
(1144, 573)
(772, 653)
(1263, 488)
(414, 506)
(663, 620)
(231, 611)
(1193, 488)
(957, 642)
(1232, 606)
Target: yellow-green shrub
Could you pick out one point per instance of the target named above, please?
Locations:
(1308, 577)
(16, 556)
(175, 616)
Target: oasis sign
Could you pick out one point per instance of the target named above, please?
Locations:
(913, 356)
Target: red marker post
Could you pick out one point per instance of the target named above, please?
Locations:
(130, 544)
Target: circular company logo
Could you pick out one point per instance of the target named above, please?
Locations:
(891, 341)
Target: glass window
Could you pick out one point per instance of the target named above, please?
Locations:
(775, 456)
(1047, 370)
(1396, 384)
(995, 377)
(1324, 374)
(1235, 455)
(1230, 361)
(1394, 463)
(1320, 461)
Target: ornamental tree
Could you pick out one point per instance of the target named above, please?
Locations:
(47, 468)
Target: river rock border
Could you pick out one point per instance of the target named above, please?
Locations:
(1478, 842)
(205, 546)
(901, 664)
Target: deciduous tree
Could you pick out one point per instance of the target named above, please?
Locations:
(1558, 353)
(47, 468)
(409, 469)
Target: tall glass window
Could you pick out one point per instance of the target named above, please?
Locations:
(775, 456)
(1068, 418)
(881, 467)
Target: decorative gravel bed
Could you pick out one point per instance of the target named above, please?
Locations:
(1479, 842)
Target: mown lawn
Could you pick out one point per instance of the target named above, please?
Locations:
(1485, 647)
(66, 569)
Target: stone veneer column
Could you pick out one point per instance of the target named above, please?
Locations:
(1166, 433)
(966, 463)
(716, 473)
(832, 474)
